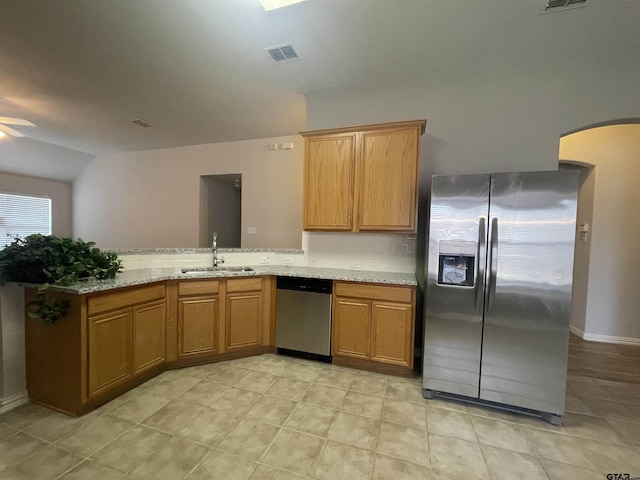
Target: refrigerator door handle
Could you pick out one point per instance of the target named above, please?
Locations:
(493, 264)
(480, 269)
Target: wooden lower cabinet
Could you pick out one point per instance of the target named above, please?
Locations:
(128, 340)
(392, 333)
(352, 332)
(198, 325)
(198, 318)
(110, 350)
(107, 343)
(149, 336)
(244, 303)
(374, 323)
(111, 341)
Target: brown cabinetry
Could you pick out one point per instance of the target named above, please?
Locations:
(328, 182)
(110, 359)
(352, 328)
(106, 343)
(111, 341)
(127, 331)
(149, 336)
(244, 304)
(374, 323)
(222, 318)
(198, 318)
(362, 178)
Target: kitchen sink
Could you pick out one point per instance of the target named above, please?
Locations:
(216, 270)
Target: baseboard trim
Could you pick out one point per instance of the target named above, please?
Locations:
(593, 337)
(576, 331)
(14, 401)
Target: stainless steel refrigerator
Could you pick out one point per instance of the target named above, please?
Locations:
(498, 289)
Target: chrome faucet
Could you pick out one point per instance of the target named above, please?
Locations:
(214, 249)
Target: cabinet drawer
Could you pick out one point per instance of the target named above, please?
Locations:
(373, 292)
(105, 302)
(244, 284)
(198, 287)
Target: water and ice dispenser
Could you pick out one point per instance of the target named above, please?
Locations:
(456, 263)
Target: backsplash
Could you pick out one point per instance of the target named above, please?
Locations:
(365, 251)
(359, 251)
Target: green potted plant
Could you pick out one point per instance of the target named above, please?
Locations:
(49, 261)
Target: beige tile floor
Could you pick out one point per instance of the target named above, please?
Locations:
(275, 417)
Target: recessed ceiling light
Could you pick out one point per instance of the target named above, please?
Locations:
(2, 135)
(273, 4)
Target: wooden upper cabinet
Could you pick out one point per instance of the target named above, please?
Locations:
(362, 178)
(389, 180)
(328, 175)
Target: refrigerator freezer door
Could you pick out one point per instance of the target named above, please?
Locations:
(453, 308)
(528, 295)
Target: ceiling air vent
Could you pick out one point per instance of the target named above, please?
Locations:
(141, 123)
(282, 53)
(555, 5)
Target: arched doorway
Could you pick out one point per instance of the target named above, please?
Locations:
(606, 277)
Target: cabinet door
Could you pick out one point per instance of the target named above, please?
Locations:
(388, 180)
(244, 320)
(351, 328)
(109, 350)
(198, 325)
(149, 334)
(328, 182)
(391, 325)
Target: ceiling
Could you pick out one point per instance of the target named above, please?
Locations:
(196, 70)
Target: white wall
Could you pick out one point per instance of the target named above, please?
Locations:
(498, 119)
(12, 358)
(59, 192)
(613, 302)
(487, 122)
(12, 361)
(152, 199)
(582, 251)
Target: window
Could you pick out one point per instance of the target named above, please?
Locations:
(23, 215)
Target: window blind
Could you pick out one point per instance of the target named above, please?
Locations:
(23, 215)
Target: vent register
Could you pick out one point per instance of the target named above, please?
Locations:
(561, 4)
(279, 54)
(282, 53)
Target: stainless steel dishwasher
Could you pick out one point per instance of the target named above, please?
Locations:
(303, 317)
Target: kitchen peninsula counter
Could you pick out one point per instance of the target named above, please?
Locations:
(120, 333)
(142, 276)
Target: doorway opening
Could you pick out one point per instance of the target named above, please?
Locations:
(221, 210)
(605, 299)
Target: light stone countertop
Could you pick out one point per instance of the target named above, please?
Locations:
(142, 276)
(153, 251)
